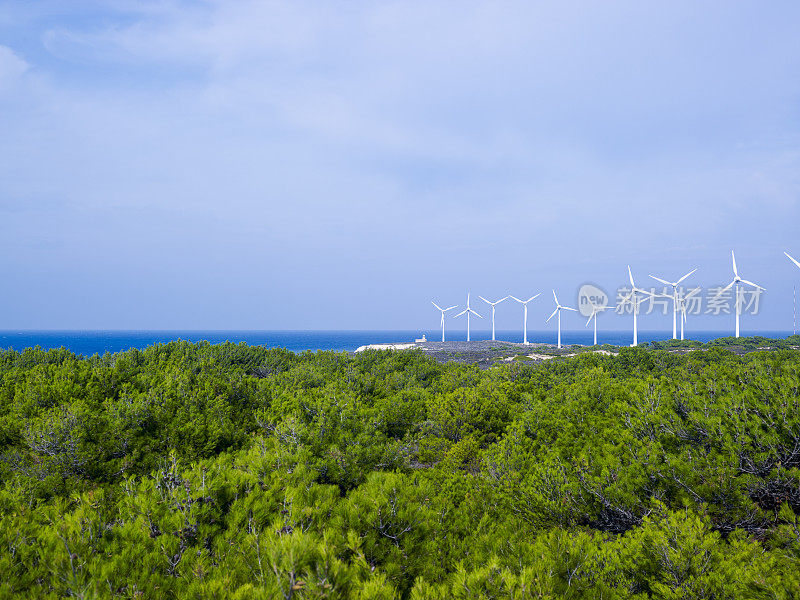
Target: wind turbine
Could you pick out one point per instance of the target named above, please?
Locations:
(524, 315)
(737, 281)
(682, 304)
(467, 312)
(634, 300)
(493, 304)
(443, 310)
(595, 309)
(674, 285)
(558, 310)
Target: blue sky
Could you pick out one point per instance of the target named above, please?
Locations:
(302, 165)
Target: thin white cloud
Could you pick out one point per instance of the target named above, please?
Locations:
(12, 67)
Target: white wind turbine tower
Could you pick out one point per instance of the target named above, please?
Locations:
(682, 306)
(737, 281)
(524, 315)
(634, 300)
(595, 309)
(794, 305)
(558, 310)
(443, 310)
(493, 304)
(674, 285)
(467, 311)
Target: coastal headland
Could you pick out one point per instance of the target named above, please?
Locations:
(486, 353)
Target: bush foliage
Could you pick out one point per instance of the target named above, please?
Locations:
(228, 471)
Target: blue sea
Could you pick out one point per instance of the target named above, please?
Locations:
(88, 343)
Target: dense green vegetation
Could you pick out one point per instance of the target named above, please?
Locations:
(199, 471)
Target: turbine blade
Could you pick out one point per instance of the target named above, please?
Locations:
(661, 280)
(793, 260)
(568, 308)
(474, 313)
(484, 299)
(590, 319)
(553, 315)
(436, 305)
(459, 314)
(630, 276)
(755, 285)
(517, 299)
(733, 258)
(685, 276)
(450, 308)
(533, 297)
(555, 298)
(725, 289)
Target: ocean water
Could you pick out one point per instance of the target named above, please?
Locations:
(88, 343)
